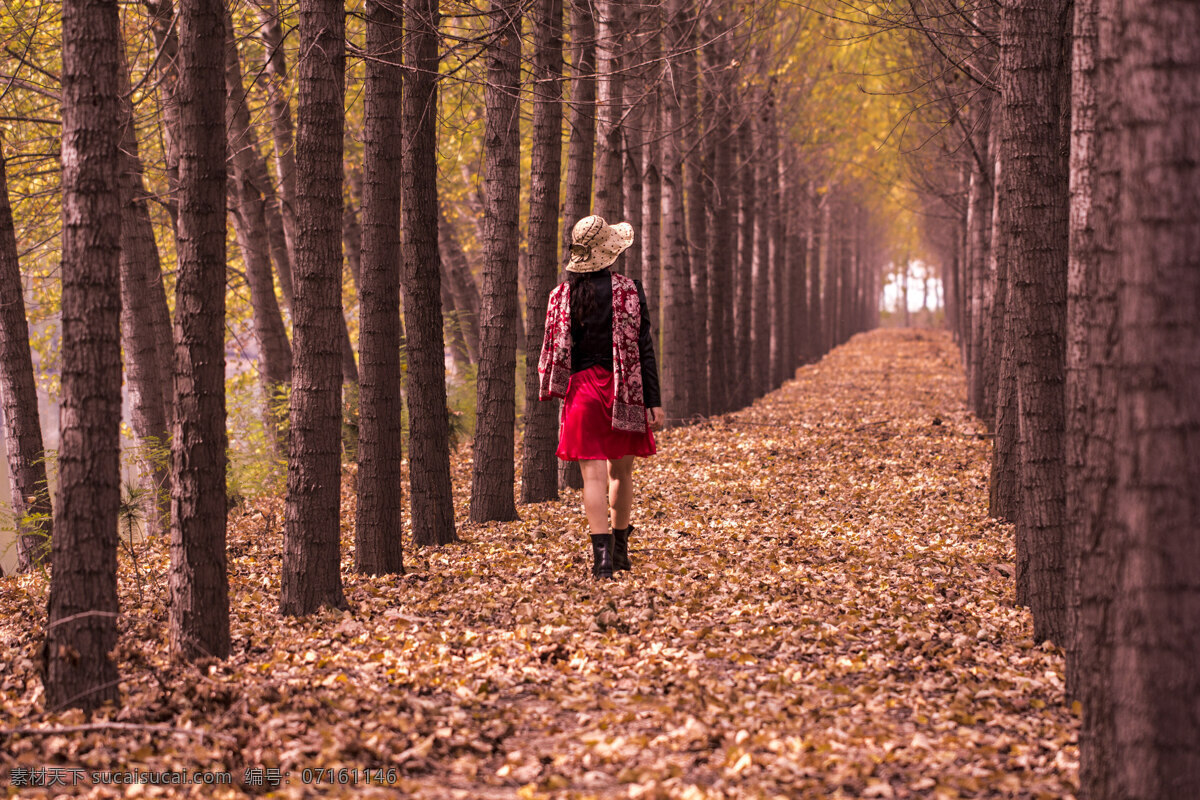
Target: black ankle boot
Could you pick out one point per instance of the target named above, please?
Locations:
(602, 555)
(621, 548)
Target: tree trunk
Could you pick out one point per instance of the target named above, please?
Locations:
(539, 465)
(696, 175)
(199, 612)
(759, 367)
(457, 270)
(797, 267)
(720, 273)
(609, 108)
(631, 138)
(1093, 281)
(429, 423)
(311, 546)
(18, 392)
(822, 280)
(144, 373)
(250, 228)
(452, 329)
(815, 248)
(979, 228)
(778, 284)
(79, 669)
(744, 296)
(352, 229)
(1004, 500)
(493, 478)
(377, 543)
(1153, 742)
(581, 120)
(651, 269)
(1035, 81)
(275, 79)
(166, 43)
(677, 313)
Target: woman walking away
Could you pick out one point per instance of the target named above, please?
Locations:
(599, 357)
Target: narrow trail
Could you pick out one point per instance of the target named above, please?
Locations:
(820, 607)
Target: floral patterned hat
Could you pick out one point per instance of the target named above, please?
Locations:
(595, 244)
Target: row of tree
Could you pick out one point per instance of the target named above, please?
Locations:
(1068, 219)
(758, 250)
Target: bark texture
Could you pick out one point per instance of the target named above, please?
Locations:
(1155, 744)
(22, 428)
(677, 310)
(274, 77)
(581, 119)
(493, 478)
(456, 270)
(199, 583)
(248, 189)
(311, 552)
(377, 542)
(1036, 79)
(82, 616)
(144, 373)
(539, 466)
(609, 109)
(429, 423)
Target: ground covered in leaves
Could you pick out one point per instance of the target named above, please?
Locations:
(819, 607)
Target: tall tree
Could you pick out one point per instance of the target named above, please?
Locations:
(311, 543)
(1093, 284)
(1153, 742)
(378, 547)
(146, 376)
(199, 614)
(429, 425)
(539, 474)
(274, 77)
(248, 189)
(777, 275)
(166, 40)
(760, 312)
(581, 119)
(677, 310)
(651, 166)
(79, 669)
(815, 245)
(721, 222)
(456, 270)
(979, 229)
(1034, 63)
(609, 109)
(492, 471)
(744, 294)
(632, 133)
(697, 186)
(18, 391)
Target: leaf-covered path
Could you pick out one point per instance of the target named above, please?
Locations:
(819, 608)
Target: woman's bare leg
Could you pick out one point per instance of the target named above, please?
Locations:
(595, 494)
(620, 491)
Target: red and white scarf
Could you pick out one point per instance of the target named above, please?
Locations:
(554, 366)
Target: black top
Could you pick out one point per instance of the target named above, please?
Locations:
(592, 343)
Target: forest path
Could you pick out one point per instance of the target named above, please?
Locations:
(819, 607)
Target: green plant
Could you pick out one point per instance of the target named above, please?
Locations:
(132, 511)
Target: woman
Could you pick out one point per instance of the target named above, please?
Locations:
(598, 356)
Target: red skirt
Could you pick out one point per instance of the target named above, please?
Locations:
(586, 432)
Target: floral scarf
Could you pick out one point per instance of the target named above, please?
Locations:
(554, 366)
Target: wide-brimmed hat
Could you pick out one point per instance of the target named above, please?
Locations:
(595, 244)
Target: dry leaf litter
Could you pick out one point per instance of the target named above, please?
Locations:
(820, 607)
